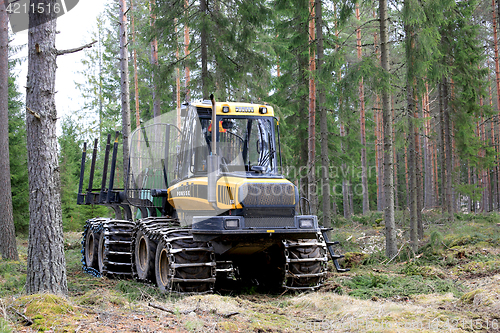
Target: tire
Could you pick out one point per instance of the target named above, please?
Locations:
(198, 265)
(101, 253)
(308, 251)
(91, 248)
(144, 257)
(162, 267)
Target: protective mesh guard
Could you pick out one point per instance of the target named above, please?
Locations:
(153, 161)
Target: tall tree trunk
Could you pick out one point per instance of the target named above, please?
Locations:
(125, 92)
(497, 74)
(390, 232)
(345, 182)
(412, 172)
(311, 160)
(136, 79)
(377, 117)
(418, 176)
(177, 82)
(46, 264)
(187, 74)
(155, 64)
(412, 134)
(449, 153)
(323, 115)
(428, 174)
(442, 147)
(362, 120)
(204, 50)
(8, 249)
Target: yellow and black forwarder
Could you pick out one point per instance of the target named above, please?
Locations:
(204, 203)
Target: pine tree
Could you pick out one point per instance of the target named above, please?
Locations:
(8, 248)
(46, 262)
(390, 232)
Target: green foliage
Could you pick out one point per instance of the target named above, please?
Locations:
(18, 160)
(385, 286)
(74, 216)
(12, 278)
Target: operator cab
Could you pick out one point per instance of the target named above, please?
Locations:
(247, 140)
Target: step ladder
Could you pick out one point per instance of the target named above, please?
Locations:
(333, 256)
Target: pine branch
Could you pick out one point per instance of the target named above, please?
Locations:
(76, 49)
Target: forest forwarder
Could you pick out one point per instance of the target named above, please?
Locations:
(196, 210)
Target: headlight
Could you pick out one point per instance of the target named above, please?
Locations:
(225, 109)
(263, 110)
(232, 224)
(306, 223)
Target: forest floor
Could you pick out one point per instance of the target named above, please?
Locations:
(451, 285)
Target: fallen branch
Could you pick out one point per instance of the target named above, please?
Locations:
(397, 254)
(228, 315)
(27, 321)
(76, 49)
(159, 307)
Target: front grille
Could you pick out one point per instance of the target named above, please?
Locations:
(266, 222)
(267, 194)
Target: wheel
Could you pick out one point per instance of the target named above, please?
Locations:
(144, 257)
(309, 265)
(162, 267)
(101, 253)
(183, 265)
(91, 244)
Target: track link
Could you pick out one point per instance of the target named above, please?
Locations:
(90, 241)
(183, 265)
(114, 255)
(147, 234)
(305, 264)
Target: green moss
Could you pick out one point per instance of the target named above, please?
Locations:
(101, 298)
(387, 286)
(468, 298)
(47, 311)
(354, 259)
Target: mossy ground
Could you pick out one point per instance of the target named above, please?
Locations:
(452, 283)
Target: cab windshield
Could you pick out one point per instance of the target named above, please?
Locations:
(246, 143)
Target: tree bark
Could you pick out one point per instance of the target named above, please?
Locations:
(125, 92)
(204, 50)
(323, 115)
(155, 65)
(311, 159)
(362, 120)
(187, 74)
(412, 174)
(390, 232)
(449, 153)
(136, 79)
(8, 248)
(497, 81)
(46, 264)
